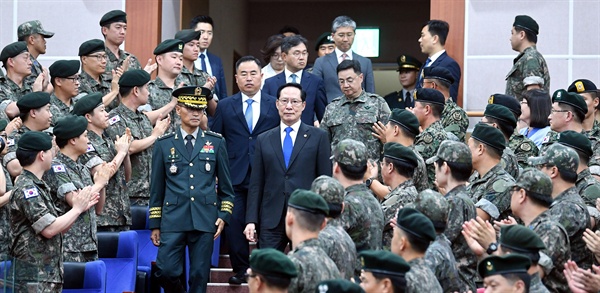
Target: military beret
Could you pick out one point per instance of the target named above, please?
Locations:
(535, 181)
(401, 153)
(531, 80)
(33, 100)
(350, 152)
(87, 104)
(408, 62)
(187, 35)
(12, 50)
(501, 113)
(91, 46)
(413, 222)
(32, 27)
(64, 68)
(170, 45)
(520, 239)
(308, 201)
(383, 262)
(134, 77)
(437, 72)
(406, 120)
(69, 127)
(192, 96)
(325, 38)
(431, 96)
(576, 141)
(434, 206)
(509, 102)
(582, 86)
(338, 286)
(113, 16)
(559, 155)
(452, 151)
(35, 141)
(329, 188)
(272, 262)
(505, 264)
(571, 99)
(490, 136)
(526, 22)
(3, 124)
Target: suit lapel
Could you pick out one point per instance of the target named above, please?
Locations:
(238, 109)
(439, 60)
(332, 58)
(264, 110)
(200, 142)
(179, 143)
(306, 80)
(301, 139)
(275, 139)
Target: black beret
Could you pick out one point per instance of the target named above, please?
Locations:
(113, 16)
(87, 104)
(35, 141)
(509, 102)
(12, 50)
(170, 45)
(520, 239)
(506, 264)
(187, 35)
(325, 38)
(383, 262)
(401, 153)
(134, 77)
(91, 46)
(408, 62)
(490, 136)
(438, 72)
(69, 127)
(406, 120)
(526, 22)
(413, 222)
(429, 96)
(501, 113)
(582, 86)
(308, 201)
(3, 124)
(576, 141)
(572, 99)
(64, 68)
(338, 286)
(193, 96)
(272, 262)
(34, 100)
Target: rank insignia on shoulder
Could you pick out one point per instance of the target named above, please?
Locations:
(30, 193)
(90, 148)
(213, 133)
(114, 119)
(58, 168)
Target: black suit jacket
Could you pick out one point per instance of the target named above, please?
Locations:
(447, 62)
(271, 184)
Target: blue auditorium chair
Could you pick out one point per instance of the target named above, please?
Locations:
(119, 251)
(81, 277)
(146, 249)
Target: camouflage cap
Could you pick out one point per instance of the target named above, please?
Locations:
(338, 286)
(433, 205)
(535, 181)
(520, 239)
(32, 27)
(383, 262)
(577, 141)
(408, 62)
(505, 264)
(582, 86)
(273, 263)
(572, 99)
(350, 152)
(329, 188)
(507, 101)
(526, 22)
(561, 156)
(405, 119)
(452, 151)
(501, 113)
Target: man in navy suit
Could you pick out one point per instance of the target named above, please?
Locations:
(432, 42)
(343, 32)
(295, 56)
(286, 158)
(240, 119)
(208, 62)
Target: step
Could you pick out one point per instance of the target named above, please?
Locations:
(224, 261)
(227, 288)
(220, 275)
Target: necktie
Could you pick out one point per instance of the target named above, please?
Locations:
(287, 146)
(188, 144)
(408, 100)
(294, 76)
(344, 56)
(420, 82)
(248, 114)
(427, 62)
(203, 62)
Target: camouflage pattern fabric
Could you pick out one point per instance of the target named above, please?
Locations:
(11, 144)
(6, 240)
(161, 95)
(455, 119)
(523, 148)
(441, 261)
(11, 92)
(420, 178)
(114, 62)
(88, 85)
(588, 187)
(528, 63)
(362, 218)
(536, 285)
(36, 70)
(594, 136)
(196, 78)
(427, 144)
(491, 193)
(338, 245)
(509, 163)
(420, 278)
(58, 108)
(402, 195)
(313, 266)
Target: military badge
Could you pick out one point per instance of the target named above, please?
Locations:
(428, 138)
(491, 100)
(403, 58)
(207, 166)
(208, 148)
(30, 193)
(580, 87)
(173, 168)
(489, 266)
(456, 115)
(114, 120)
(58, 168)
(90, 148)
(525, 147)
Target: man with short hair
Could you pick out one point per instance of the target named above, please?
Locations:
(502, 119)
(270, 271)
(587, 89)
(507, 273)
(65, 81)
(92, 78)
(32, 33)
(325, 45)
(408, 69)
(567, 113)
(190, 74)
(209, 62)
(383, 271)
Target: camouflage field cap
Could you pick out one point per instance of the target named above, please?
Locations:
(577, 141)
(350, 152)
(563, 157)
(452, 151)
(520, 239)
(572, 99)
(433, 205)
(505, 264)
(329, 188)
(536, 181)
(33, 27)
(272, 262)
(339, 286)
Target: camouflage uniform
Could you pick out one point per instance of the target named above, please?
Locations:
(117, 211)
(195, 78)
(420, 178)
(58, 108)
(402, 195)
(6, 240)
(536, 285)
(427, 144)
(120, 118)
(161, 95)
(441, 261)
(523, 148)
(114, 62)
(588, 187)
(509, 163)
(88, 85)
(528, 63)
(11, 92)
(455, 119)
(313, 266)
(420, 278)
(338, 245)
(66, 176)
(491, 193)
(11, 144)
(32, 210)
(36, 70)
(362, 218)
(344, 118)
(594, 133)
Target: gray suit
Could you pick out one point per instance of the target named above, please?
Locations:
(326, 68)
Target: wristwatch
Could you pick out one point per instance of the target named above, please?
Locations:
(368, 182)
(492, 248)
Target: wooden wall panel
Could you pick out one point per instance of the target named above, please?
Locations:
(144, 20)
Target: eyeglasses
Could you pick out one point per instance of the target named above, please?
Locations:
(558, 111)
(99, 57)
(276, 56)
(348, 80)
(73, 79)
(297, 54)
(285, 102)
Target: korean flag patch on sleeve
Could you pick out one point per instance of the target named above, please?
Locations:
(31, 193)
(90, 148)
(114, 119)
(10, 142)
(58, 168)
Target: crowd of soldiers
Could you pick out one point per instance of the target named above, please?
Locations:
(413, 202)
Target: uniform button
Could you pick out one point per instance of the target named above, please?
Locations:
(214, 203)
(191, 164)
(250, 138)
(192, 187)
(192, 198)
(167, 203)
(191, 175)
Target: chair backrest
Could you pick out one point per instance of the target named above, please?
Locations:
(119, 251)
(85, 277)
(139, 218)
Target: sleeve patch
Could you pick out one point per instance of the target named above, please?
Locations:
(31, 193)
(10, 142)
(59, 168)
(114, 119)
(90, 148)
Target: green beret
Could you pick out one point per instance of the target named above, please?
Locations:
(413, 222)
(170, 45)
(350, 152)
(383, 262)
(430, 96)
(193, 96)
(406, 120)
(520, 239)
(113, 16)
(308, 201)
(490, 136)
(3, 124)
(438, 72)
(64, 68)
(338, 286)
(69, 127)
(187, 35)
(507, 101)
(526, 22)
(582, 86)
(325, 38)
(452, 151)
(535, 181)
(32, 27)
(572, 99)
(501, 113)
(434, 206)
(35, 141)
(576, 141)
(401, 153)
(134, 77)
(87, 104)
(91, 46)
(505, 264)
(272, 262)
(12, 50)
(329, 188)
(559, 155)
(33, 100)
(408, 62)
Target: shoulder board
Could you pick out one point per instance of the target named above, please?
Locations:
(114, 119)
(370, 95)
(31, 192)
(337, 98)
(58, 168)
(213, 133)
(166, 135)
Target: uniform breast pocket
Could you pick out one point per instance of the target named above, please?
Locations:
(173, 166)
(207, 164)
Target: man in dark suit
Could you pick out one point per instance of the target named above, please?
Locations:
(240, 119)
(286, 158)
(208, 62)
(295, 56)
(432, 42)
(343, 32)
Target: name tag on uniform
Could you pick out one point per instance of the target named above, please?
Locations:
(31, 193)
(90, 148)
(114, 120)
(58, 168)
